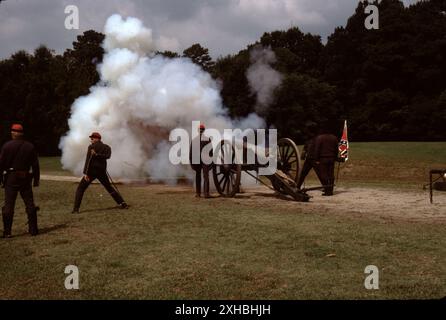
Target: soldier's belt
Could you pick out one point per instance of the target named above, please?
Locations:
(19, 173)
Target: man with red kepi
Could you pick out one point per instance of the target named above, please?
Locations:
(17, 157)
(201, 166)
(96, 167)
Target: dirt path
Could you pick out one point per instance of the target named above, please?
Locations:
(59, 178)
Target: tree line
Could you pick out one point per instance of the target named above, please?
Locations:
(389, 83)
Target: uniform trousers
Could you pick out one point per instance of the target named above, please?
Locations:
(19, 183)
(103, 179)
(326, 169)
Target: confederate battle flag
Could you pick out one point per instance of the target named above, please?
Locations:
(343, 145)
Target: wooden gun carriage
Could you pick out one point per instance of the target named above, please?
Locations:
(227, 176)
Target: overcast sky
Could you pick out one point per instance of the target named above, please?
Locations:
(223, 26)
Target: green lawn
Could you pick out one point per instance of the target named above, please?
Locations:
(52, 166)
(408, 152)
(390, 164)
(170, 245)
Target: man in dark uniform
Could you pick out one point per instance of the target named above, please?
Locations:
(96, 167)
(17, 157)
(326, 153)
(309, 155)
(198, 167)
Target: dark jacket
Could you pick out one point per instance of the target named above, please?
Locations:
(97, 164)
(309, 151)
(326, 147)
(203, 143)
(20, 155)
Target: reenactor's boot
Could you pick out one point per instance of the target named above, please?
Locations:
(78, 200)
(117, 197)
(7, 226)
(124, 205)
(32, 221)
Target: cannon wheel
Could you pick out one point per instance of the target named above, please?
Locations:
(288, 161)
(227, 176)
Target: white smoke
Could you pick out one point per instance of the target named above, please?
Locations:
(141, 97)
(262, 78)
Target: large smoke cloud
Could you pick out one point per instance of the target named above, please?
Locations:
(141, 97)
(262, 78)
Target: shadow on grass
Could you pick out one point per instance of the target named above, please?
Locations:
(116, 208)
(53, 228)
(340, 192)
(170, 192)
(44, 230)
(276, 195)
(240, 196)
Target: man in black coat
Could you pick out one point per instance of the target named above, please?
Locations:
(201, 166)
(17, 157)
(326, 153)
(96, 168)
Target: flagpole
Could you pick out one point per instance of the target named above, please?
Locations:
(343, 149)
(337, 173)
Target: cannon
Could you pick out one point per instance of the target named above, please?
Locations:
(227, 176)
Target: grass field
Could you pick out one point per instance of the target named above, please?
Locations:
(170, 245)
(394, 163)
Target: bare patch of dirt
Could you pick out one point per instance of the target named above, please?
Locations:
(371, 202)
(382, 203)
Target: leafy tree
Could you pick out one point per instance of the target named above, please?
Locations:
(13, 88)
(230, 71)
(389, 77)
(81, 61)
(168, 54)
(302, 102)
(80, 70)
(38, 89)
(296, 51)
(200, 56)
